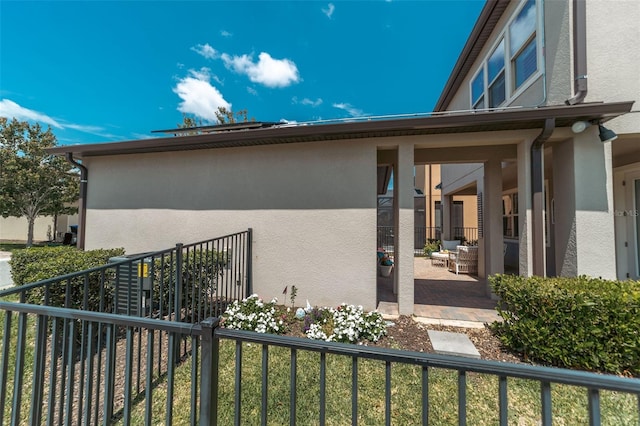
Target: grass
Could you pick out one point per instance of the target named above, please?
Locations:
(569, 403)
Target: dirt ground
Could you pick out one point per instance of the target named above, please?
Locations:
(408, 334)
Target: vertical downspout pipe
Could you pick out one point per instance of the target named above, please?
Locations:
(537, 196)
(579, 52)
(82, 210)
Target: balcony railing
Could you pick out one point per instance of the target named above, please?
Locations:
(423, 235)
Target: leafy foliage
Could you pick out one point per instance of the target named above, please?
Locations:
(201, 274)
(33, 182)
(223, 116)
(346, 323)
(582, 322)
(36, 264)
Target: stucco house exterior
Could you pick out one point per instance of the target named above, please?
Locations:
(537, 53)
(310, 192)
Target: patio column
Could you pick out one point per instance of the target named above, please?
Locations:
(583, 213)
(446, 217)
(403, 182)
(525, 213)
(493, 238)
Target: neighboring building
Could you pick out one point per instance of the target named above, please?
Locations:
(15, 228)
(310, 192)
(464, 207)
(529, 54)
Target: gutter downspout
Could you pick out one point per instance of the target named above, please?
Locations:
(537, 197)
(82, 210)
(579, 52)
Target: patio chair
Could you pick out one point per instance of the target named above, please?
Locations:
(465, 260)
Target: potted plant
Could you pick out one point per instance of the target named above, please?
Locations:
(430, 247)
(386, 266)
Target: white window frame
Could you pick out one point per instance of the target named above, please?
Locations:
(511, 92)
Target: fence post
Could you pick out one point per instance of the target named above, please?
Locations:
(210, 347)
(178, 285)
(249, 262)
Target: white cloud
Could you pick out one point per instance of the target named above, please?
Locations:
(252, 91)
(10, 109)
(307, 101)
(329, 10)
(206, 51)
(198, 96)
(267, 71)
(226, 34)
(350, 109)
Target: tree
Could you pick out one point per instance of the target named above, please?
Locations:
(32, 182)
(223, 116)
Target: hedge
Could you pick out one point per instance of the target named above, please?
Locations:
(582, 322)
(36, 264)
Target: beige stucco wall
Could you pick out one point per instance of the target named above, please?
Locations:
(15, 228)
(312, 207)
(613, 57)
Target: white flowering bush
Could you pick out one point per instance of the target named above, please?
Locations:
(253, 314)
(346, 323)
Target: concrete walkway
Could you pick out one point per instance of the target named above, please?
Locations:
(5, 270)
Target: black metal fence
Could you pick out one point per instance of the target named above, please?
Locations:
(45, 379)
(83, 360)
(429, 364)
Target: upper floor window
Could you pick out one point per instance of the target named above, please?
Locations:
(477, 91)
(522, 39)
(495, 73)
(512, 61)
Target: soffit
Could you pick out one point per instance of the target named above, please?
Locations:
(450, 123)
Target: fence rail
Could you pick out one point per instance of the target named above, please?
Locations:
(94, 381)
(79, 360)
(544, 376)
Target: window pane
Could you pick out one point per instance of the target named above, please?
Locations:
(479, 104)
(496, 92)
(477, 87)
(523, 26)
(526, 63)
(496, 62)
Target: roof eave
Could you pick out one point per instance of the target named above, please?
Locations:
(520, 118)
(486, 23)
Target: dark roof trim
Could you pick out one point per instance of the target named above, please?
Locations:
(226, 127)
(479, 121)
(486, 23)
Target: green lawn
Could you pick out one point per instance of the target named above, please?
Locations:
(569, 403)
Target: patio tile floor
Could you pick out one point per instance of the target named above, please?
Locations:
(441, 295)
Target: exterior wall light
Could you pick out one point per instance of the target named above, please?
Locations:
(606, 135)
(580, 126)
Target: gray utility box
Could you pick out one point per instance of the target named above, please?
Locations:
(132, 285)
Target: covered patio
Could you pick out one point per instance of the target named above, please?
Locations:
(440, 294)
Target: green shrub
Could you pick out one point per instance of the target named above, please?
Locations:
(36, 264)
(431, 246)
(582, 322)
(201, 274)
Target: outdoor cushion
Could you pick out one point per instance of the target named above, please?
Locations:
(449, 245)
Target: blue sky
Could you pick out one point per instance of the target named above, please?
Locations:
(100, 71)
